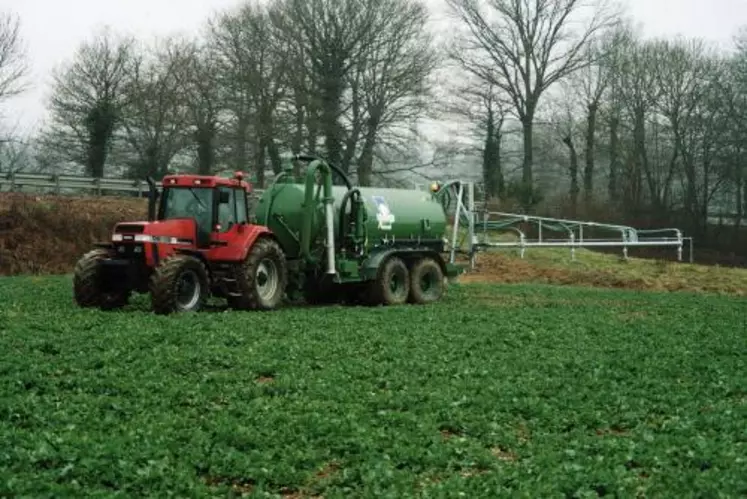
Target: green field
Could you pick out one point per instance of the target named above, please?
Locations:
(499, 391)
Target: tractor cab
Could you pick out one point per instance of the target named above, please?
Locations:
(215, 204)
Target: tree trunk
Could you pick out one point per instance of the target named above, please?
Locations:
(100, 122)
(527, 177)
(612, 187)
(640, 163)
(242, 127)
(300, 117)
(591, 124)
(204, 137)
(96, 157)
(260, 165)
(331, 100)
(740, 200)
(491, 161)
(365, 164)
(568, 141)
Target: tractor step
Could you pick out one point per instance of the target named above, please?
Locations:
(230, 286)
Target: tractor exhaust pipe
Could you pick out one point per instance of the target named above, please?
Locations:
(152, 197)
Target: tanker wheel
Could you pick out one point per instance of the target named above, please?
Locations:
(426, 282)
(262, 278)
(86, 286)
(392, 285)
(179, 284)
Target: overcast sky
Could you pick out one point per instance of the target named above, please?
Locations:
(53, 29)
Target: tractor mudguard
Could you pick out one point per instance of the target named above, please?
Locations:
(237, 247)
(373, 263)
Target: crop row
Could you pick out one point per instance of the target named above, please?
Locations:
(497, 391)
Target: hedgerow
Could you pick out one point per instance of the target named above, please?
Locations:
(497, 392)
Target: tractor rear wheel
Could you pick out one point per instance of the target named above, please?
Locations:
(426, 282)
(261, 278)
(179, 284)
(392, 285)
(87, 286)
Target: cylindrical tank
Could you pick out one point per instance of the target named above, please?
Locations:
(397, 214)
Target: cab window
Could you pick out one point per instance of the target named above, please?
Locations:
(241, 212)
(227, 211)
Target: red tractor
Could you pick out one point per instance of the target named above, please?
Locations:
(198, 241)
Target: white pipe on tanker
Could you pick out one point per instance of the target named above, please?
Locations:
(328, 211)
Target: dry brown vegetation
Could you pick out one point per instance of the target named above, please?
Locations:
(42, 234)
(552, 266)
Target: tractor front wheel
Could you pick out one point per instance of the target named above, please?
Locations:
(392, 286)
(426, 282)
(179, 284)
(262, 278)
(87, 286)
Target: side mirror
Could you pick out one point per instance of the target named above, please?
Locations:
(223, 197)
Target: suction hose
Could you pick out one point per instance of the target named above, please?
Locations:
(309, 208)
(343, 205)
(312, 158)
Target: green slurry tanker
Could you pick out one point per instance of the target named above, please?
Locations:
(359, 244)
(307, 239)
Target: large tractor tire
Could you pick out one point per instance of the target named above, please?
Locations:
(392, 285)
(262, 278)
(426, 282)
(179, 284)
(86, 286)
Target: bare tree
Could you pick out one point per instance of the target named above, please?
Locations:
(393, 88)
(590, 84)
(682, 72)
(615, 49)
(484, 111)
(13, 62)
(14, 155)
(155, 121)
(524, 47)
(201, 92)
(252, 67)
(87, 101)
(334, 36)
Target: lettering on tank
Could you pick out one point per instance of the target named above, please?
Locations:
(384, 215)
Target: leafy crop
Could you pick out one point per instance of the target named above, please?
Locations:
(498, 391)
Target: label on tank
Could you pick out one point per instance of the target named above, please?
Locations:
(384, 215)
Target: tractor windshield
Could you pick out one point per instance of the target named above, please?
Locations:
(188, 202)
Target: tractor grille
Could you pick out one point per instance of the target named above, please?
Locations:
(130, 228)
(130, 251)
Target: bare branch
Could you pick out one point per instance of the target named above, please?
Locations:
(13, 63)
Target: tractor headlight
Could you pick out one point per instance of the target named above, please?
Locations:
(147, 238)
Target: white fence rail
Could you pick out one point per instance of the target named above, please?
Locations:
(481, 230)
(59, 184)
(74, 184)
